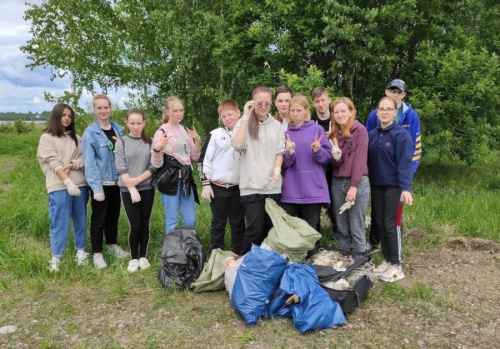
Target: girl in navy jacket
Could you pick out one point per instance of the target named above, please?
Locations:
(391, 175)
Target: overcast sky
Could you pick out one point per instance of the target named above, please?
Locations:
(22, 89)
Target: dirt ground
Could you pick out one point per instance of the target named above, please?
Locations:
(450, 298)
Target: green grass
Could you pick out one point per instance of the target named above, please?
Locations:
(450, 199)
(453, 199)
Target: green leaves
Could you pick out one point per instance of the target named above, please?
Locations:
(447, 52)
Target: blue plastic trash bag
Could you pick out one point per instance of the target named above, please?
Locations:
(278, 309)
(316, 310)
(257, 278)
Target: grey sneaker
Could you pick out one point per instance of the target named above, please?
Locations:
(54, 264)
(143, 263)
(99, 261)
(118, 252)
(81, 257)
(382, 268)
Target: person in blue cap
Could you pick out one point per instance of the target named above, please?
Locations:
(407, 118)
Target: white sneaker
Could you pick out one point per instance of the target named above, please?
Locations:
(382, 268)
(144, 263)
(81, 257)
(394, 273)
(54, 264)
(99, 261)
(118, 252)
(133, 265)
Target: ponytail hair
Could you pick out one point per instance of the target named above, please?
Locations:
(168, 102)
(101, 96)
(144, 135)
(253, 122)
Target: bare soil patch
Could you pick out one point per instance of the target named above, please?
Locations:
(450, 298)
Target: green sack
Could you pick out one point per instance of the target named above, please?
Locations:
(212, 276)
(289, 234)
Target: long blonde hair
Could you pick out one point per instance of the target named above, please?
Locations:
(299, 98)
(336, 128)
(168, 102)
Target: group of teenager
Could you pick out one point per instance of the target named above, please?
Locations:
(303, 160)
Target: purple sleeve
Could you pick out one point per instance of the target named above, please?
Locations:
(324, 154)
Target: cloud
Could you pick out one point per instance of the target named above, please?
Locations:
(22, 89)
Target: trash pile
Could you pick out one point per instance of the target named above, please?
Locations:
(266, 282)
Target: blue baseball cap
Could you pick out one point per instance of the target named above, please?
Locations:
(398, 83)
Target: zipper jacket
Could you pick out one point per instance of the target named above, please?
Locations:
(219, 162)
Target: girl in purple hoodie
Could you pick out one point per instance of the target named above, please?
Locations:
(350, 185)
(307, 153)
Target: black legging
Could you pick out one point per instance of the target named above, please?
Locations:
(139, 215)
(104, 218)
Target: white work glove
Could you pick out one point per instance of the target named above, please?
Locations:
(276, 175)
(336, 152)
(72, 188)
(247, 110)
(348, 204)
(289, 145)
(207, 193)
(134, 194)
(99, 196)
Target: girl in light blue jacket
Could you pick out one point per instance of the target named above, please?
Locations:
(98, 144)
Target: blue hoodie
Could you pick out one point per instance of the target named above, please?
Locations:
(411, 123)
(389, 157)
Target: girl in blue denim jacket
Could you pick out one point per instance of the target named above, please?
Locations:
(98, 144)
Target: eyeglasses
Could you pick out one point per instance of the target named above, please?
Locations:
(383, 110)
(263, 104)
(396, 92)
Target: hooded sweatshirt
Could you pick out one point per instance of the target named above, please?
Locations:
(353, 162)
(56, 152)
(257, 158)
(305, 180)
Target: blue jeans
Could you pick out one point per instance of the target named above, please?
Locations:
(172, 203)
(62, 208)
(351, 223)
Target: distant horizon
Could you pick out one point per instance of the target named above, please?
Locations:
(22, 89)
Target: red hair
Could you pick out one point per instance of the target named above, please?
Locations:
(336, 128)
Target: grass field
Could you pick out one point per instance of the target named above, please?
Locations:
(87, 308)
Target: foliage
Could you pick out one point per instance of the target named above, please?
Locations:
(447, 52)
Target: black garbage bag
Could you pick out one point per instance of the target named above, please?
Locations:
(182, 257)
